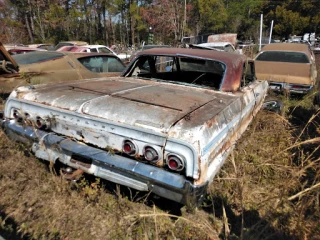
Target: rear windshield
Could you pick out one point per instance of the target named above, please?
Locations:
(291, 57)
(35, 57)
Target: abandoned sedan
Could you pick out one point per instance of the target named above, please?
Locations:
(51, 66)
(289, 67)
(165, 126)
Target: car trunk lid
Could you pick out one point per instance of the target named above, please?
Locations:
(140, 103)
(296, 73)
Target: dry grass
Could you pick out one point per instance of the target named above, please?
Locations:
(36, 204)
(269, 188)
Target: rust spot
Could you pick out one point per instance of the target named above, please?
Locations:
(211, 122)
(187, 117)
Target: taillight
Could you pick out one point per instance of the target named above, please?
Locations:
(41, 123)
(175, 162)
(150, 154)
(17, 115)
(129, 147)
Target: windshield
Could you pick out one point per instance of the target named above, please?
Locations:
(277, 56)
(102, 63)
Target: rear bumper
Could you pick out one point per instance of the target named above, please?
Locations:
(291, 88)
(115, 168)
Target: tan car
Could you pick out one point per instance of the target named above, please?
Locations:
(51, 66)
(287, 67)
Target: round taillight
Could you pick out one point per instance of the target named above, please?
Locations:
(17, 115)
(129, 147)
(150, 154)
(175, 162)
(41, 123)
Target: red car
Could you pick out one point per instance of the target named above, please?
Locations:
(14, 49)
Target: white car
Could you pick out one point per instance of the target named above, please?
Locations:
(93, 48)
(105, 49)
(220, 46)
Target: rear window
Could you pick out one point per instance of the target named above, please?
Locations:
(35, 57)
(102, 63)
(290, 57)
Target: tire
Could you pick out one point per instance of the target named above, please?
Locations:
(275, 106)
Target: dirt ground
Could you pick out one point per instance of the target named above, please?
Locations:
(268, 189)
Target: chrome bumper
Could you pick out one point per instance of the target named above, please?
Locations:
(280, 87)
(115, 168)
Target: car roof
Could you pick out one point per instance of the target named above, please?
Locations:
(286, 47)
(228, 58)
(94, 46)
(81, 54)
(75, 42)
(24, 48)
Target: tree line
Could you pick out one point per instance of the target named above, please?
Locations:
(129, 22)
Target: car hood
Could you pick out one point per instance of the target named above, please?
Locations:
(140, 103)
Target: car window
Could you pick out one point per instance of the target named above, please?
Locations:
(276, 56)
(102, 64)
(36, 56)
(180, 70)
(59, 45)
(104, 50)
(164, 64)
(248, 73)
(229, 48)
(93, 50)
(200, 65)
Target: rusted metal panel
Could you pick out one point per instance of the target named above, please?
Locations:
(224, 37)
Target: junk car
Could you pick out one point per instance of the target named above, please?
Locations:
(92, 49)
(69, 43)
(288, 67)
(165, 126)
(51, 66)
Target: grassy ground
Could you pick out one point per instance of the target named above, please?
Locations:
(268, 189)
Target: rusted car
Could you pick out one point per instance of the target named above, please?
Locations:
(51, 66)
(165, 126)
(287, 67)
